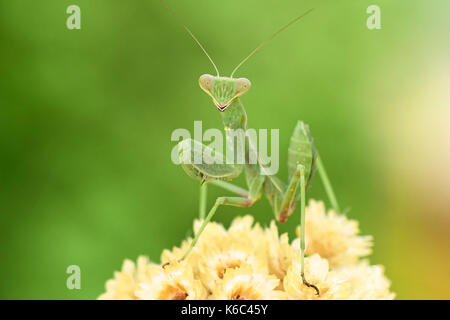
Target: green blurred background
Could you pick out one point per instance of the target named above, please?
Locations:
(86, 118)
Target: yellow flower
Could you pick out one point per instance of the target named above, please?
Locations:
(331, 285)
(178, 252)
(279, 251)
(246, 284)
(213, 230)
(173, 282)
(125, 282)
(220, 256)
(367, 282)
(241, 245)
(243, 228)
(333, 236)
(250, 262)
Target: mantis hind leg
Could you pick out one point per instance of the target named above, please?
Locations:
(302, 227)
(327, 184)
(297, 180)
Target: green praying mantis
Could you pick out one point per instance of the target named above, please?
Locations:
(303, 159)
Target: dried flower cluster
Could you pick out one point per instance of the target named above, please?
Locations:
(250, 262)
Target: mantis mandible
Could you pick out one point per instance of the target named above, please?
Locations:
(303, 158)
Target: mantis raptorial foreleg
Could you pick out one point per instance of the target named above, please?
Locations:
(211, 173)
(224, 185)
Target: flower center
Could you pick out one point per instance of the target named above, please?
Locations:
(172, 293)
(221, 270)
(239, 297)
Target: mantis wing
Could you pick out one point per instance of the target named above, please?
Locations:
(302, 151)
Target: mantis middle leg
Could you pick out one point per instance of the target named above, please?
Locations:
(211, 173)
(225, 201)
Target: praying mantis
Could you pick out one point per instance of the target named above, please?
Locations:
(303, 158)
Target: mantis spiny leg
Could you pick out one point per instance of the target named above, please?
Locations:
(209, 172)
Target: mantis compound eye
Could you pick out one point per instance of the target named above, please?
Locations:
(206, 81)
(242, 86)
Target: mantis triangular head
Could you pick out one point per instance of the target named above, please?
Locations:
(223, 90)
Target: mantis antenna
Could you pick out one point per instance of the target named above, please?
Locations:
(191, 34)
(270, 38)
